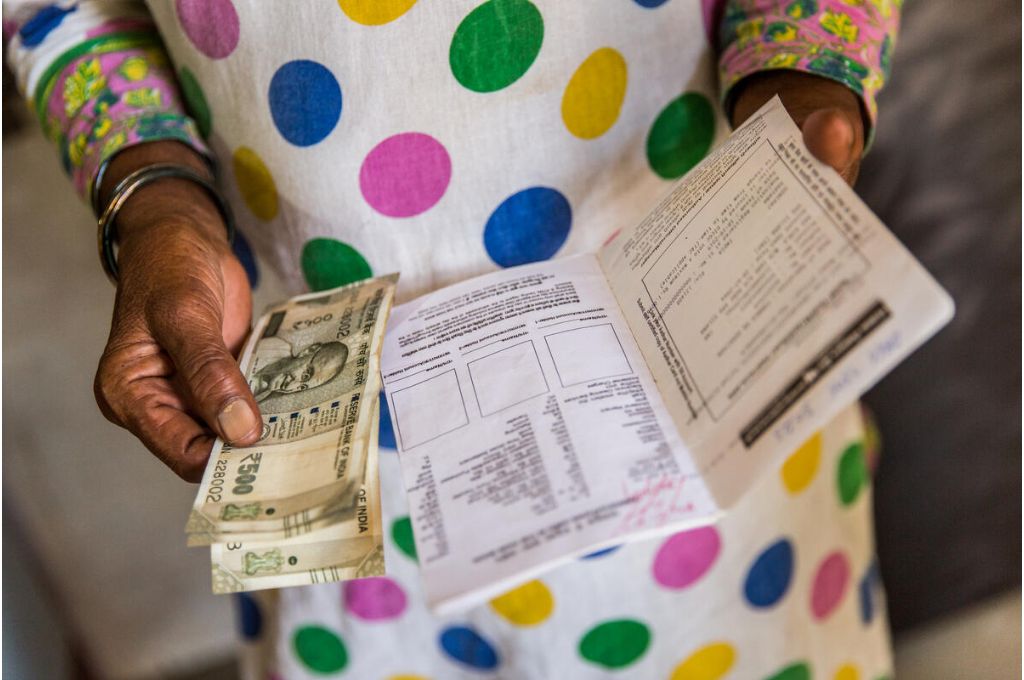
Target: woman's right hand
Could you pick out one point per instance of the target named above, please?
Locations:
(181, 313)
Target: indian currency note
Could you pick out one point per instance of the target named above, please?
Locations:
(322, 508)
(349, 549)
(281, 515)
(313, 364)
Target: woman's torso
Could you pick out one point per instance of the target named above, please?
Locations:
(453, 139)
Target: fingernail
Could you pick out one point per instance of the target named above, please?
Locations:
(237, 419)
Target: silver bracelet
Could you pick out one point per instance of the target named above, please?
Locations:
(101, 173)
(135, 181)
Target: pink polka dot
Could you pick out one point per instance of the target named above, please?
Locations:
(686, 556)
(374, 599)
(211, 25)
(405, 174)
(829, 584)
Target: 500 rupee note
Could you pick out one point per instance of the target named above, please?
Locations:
(294, 505)
(313, 364)
(349, 549)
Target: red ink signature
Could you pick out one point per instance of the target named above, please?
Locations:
(659, 501)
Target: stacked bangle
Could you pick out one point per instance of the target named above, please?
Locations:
(135, 181)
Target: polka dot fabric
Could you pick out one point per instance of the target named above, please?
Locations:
(794, 595)
(442, 140)
(447, 139)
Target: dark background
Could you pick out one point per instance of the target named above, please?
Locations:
(945, 176)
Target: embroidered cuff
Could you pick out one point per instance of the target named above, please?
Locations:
(849, 41)
(107, 93)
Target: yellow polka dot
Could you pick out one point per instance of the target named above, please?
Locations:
(375, 12)
(847, 672)
(527, 605)
(799, 469)
(405, 676)
(707, 663)
(255, 183)
(593, 97)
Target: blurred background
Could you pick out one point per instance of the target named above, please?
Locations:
(97, 583)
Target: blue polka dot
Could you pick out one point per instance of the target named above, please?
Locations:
(305, 101)
(867, 593)
(250, 620)
(650, 4)
(770, 575)
(386, 438)
(601, 553)
(529, 226)
(42, 23)
(466, 646)
(244, 254)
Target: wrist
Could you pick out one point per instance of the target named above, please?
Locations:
(171, 205)
(167, 201)
(167, 251)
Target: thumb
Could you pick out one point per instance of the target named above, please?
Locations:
(834, 139)
(216, 389)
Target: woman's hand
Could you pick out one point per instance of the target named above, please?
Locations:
(182, 311)
(828, 112)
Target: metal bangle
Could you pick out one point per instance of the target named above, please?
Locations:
(135, 181)
(101, 172)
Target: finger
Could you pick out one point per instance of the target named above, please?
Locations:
(120, 370)
(833, 139)
(168, 431)
(133, 390)
(190, 331)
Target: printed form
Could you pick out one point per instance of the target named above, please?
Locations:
(529, 426)
(766, 297)
(550, 410)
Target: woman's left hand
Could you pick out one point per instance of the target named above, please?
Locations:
(828, 112)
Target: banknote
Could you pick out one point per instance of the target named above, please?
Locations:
(352, 548)
(300, 501)
(311, 358)
(313, 364)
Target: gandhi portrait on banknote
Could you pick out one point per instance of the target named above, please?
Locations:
(312, 366)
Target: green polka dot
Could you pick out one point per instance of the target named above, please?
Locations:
(196, 101)
(328, 263)
(614, 644)
(852, 474)
(495, 44)
(681, 135)
(401, 534)
(319, 649)
(798, 671)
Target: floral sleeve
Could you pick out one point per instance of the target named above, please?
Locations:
(98, 78)
(850, 41)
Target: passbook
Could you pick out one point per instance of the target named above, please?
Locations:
(547, 411)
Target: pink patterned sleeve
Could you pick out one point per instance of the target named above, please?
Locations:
(98, 78)
(849, 41)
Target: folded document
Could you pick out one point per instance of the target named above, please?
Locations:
(546, 411)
